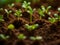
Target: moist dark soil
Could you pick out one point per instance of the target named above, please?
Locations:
(50, 32)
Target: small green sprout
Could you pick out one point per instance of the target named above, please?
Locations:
(59, 9)
(1, 18)
(30, 11)
(52, 20)
(21, 36)
(8, 12)
(26, 5)
(31, 27)
(45, 9)
(18, 13)
(41, 13)
(57, 16)
(2, 36)
(11, 26)
(36, 38)
(11, 5)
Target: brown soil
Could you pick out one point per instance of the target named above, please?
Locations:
(49, 32)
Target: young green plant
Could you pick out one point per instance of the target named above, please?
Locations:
(30, 11)
(52, 20)
(57, 16)
(11, 5)
(8, 12)
(11, 26)
(43, 10)
(46, 10)
(41, 13)
(26, 5)
(2, 36)
(1, 18)
(31, 27)
(18, 13)
(21, 36)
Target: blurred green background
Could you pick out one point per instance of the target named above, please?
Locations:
(49, 2)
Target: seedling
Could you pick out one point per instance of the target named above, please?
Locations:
(2, 36)
(31, 27)
(18, 13)
(11, 26)
(8, 12)
(1, 18)
(57, 16)
(26, 5)
(11, 5)
(52, 20)
(30, 11)
(36, 38)
(21, 36)
(41, 13)
(45, 9)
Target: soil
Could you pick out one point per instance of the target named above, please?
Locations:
(50, 32)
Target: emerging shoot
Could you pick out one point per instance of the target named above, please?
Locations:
(30, 11)
(21, 36)
(2, 36)
(8, 12)
(57, 17)
(41, 13)
(46, 10)
(11, 5)
(31, 27)
(11, 26)
(18, 14)
(26, 5)
(52, 20)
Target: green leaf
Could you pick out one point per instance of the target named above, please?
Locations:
(8, 11)
(11, 5)
(11, 26)
(31, 27)
(26, 5)
(18, 13)
(41, 13)
(52, 20)
(2, 36)
(21, 36)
